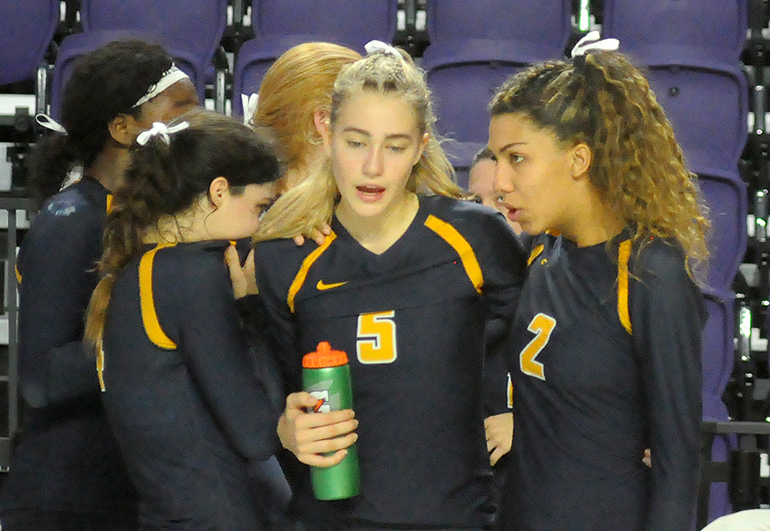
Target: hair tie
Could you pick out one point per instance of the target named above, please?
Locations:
(162, 130)
(379, 46)
(249, 104)
(169, 77)
(592, 42)
(49, 123)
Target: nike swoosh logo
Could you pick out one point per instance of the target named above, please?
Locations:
(321, 286)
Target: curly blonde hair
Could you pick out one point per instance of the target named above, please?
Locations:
(310, 204)
(604, 101)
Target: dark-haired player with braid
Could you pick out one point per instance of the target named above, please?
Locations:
(179, 382)
(67, 472)
(605, 350)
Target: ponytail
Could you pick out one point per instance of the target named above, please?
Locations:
(171, 168)
(50, 161)
(97, 314)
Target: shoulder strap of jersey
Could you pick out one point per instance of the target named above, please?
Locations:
(624, 254)
(307, 263)
(467, 256)
(147, 300)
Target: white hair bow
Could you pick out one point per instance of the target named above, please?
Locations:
(249, 104)
(162, 130)
(591, 42)
(379, 46)
(49, 123)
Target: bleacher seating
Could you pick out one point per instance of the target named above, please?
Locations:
(279, 24)
(26, 30)
(473, 49)
(714, 30)
(191, 31)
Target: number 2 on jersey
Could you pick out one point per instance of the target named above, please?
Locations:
(541, 325)
(376, 338)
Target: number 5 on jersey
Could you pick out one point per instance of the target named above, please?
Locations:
(541, 325)
(376, 338)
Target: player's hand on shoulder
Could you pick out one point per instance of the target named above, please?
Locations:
(317, 235)
(316, 439)
(242, 276)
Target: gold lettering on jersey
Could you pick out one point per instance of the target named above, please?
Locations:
(376, 338)
(321, 286)
(542, 326)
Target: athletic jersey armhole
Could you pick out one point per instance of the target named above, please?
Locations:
(624, 254)
(147, 302)
(467, 256)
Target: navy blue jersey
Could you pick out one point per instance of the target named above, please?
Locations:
(412, 321)
(67, 459)
(605, 359)
(181, 391)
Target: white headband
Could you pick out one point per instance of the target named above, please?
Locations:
(169, 77)
(249, 104)
(591, 42)
(162, 130)
(379, 46)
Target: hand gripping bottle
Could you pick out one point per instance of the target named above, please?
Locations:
(326, 376)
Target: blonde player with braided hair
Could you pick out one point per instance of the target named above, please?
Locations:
(404, 283)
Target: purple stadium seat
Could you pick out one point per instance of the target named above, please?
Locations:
(73, 46)
(707, 105)
(461, 94)
(718, 351)
(725, 194)
(26, 30)
(252, 62)
(280, 24)
(191, 31)
(473, 49)
(718, 355)
(686, 31)
(347, 22)
(514, 30)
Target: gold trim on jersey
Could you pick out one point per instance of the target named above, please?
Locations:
(109, 203)
(535, 253)
(301, 276)
(18, 273)
(100, 368)
(461, 245)
(624, 253)
(147, 301)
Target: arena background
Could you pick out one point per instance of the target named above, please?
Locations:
(706, 60)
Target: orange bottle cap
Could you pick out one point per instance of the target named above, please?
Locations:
(324, 357)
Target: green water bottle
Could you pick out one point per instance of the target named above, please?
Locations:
(326, 376)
